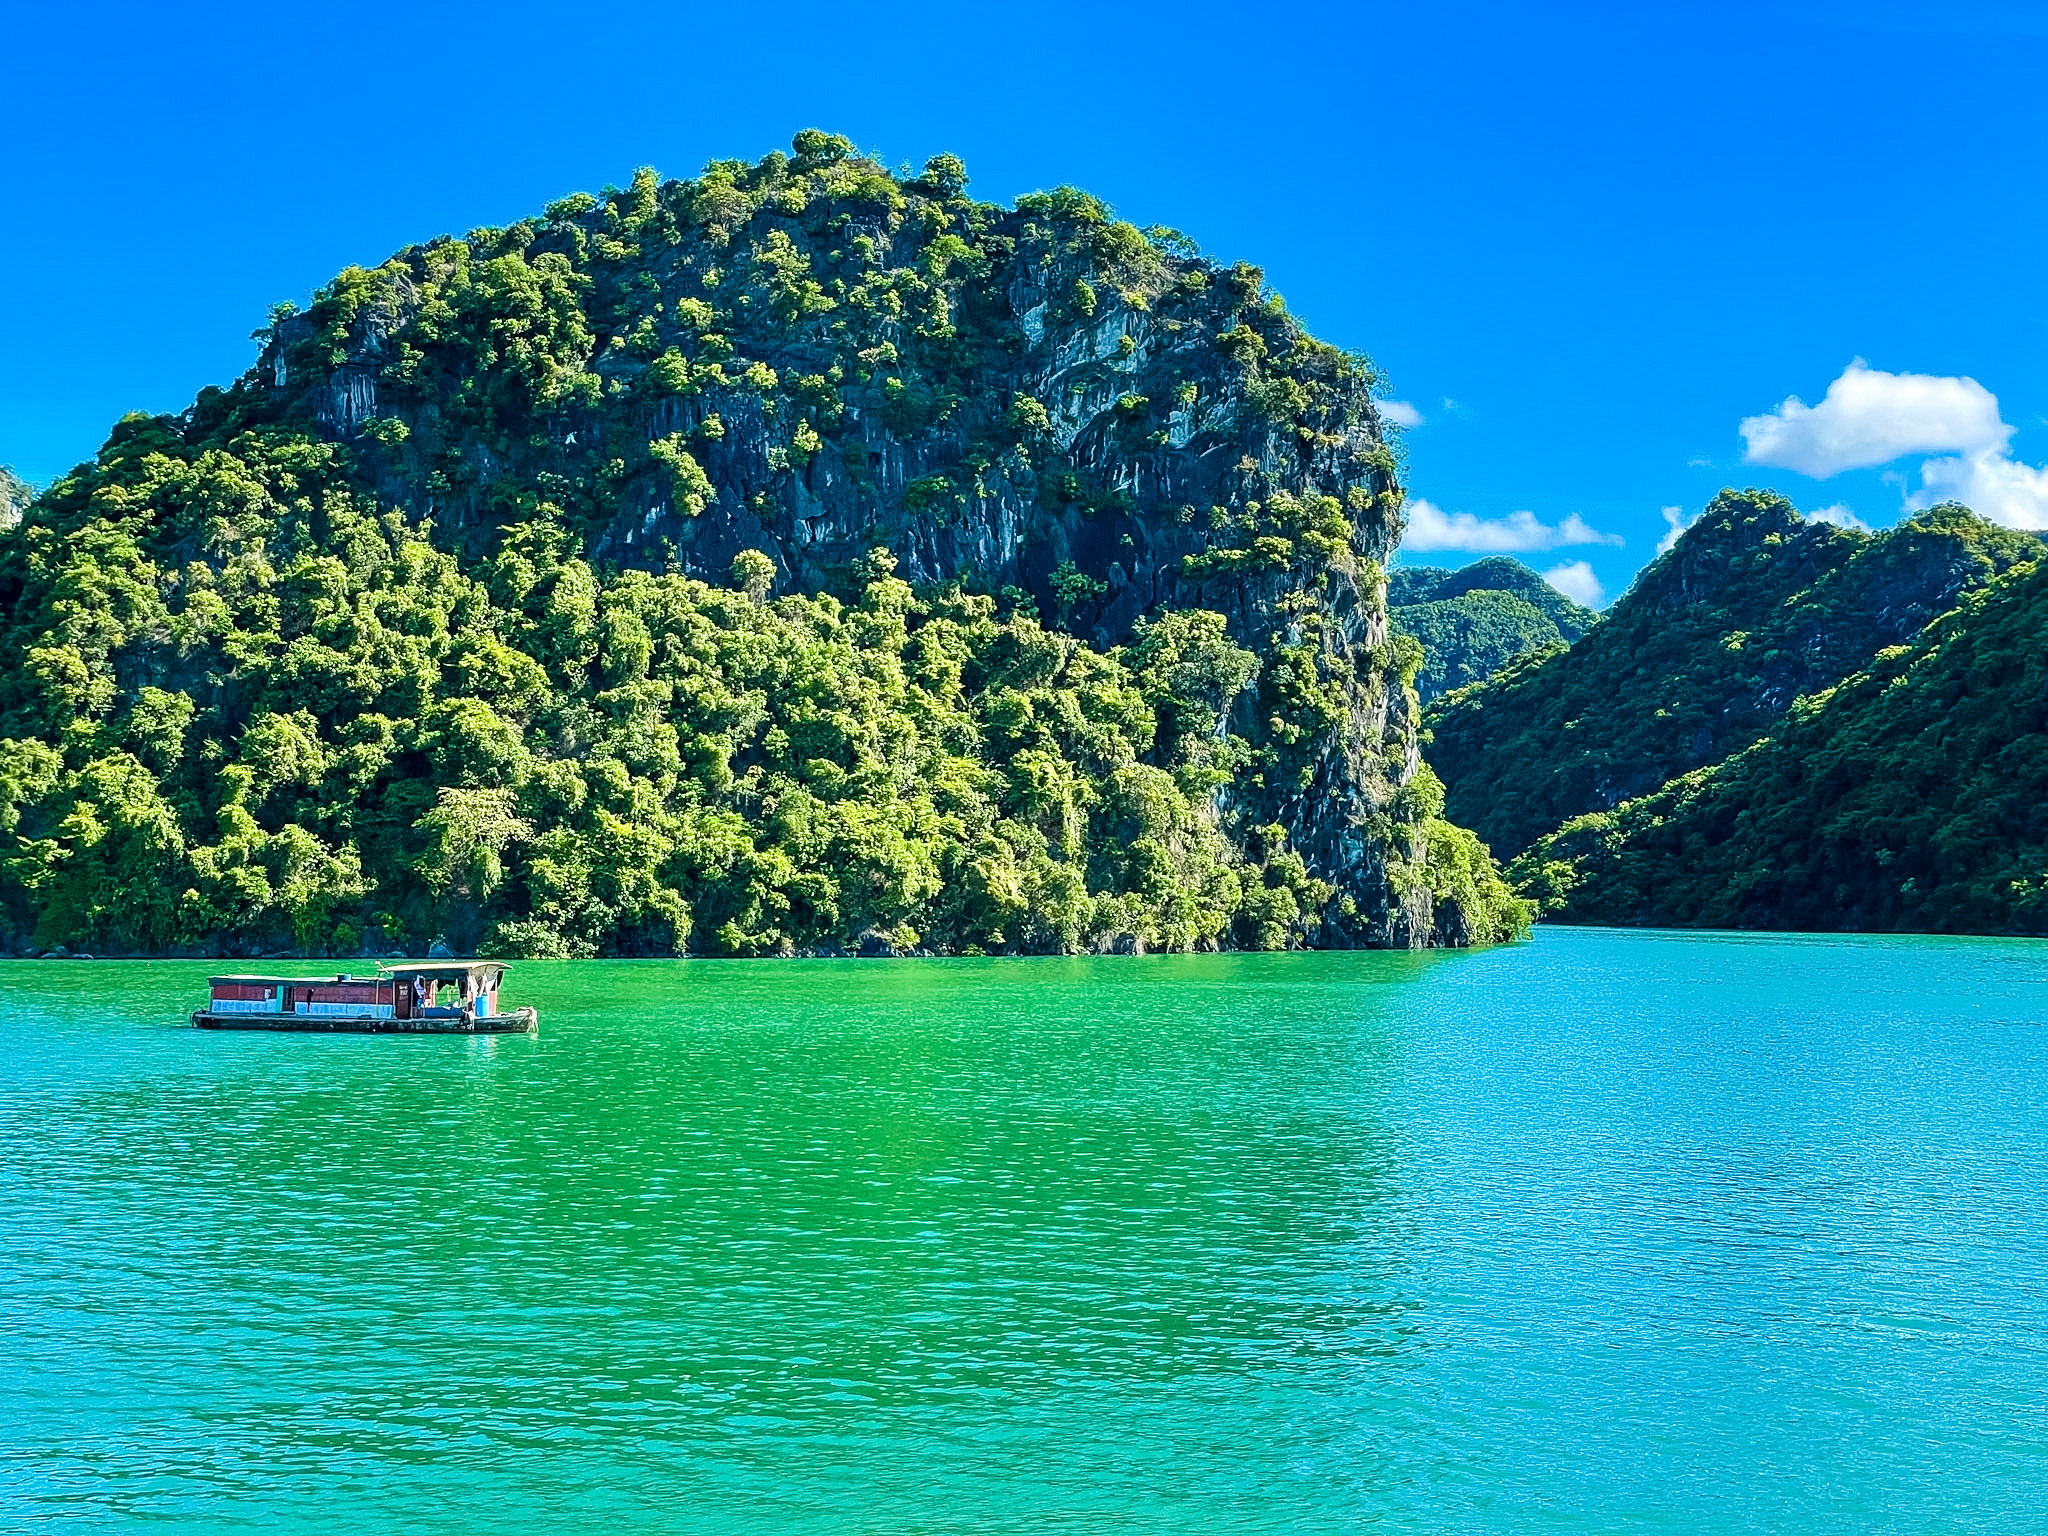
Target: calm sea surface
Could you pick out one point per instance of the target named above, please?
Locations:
(1607, 1232)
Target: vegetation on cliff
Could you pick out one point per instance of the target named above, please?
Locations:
(796, 558)
(1908, 798)
(1754, 608)
(1473, 621)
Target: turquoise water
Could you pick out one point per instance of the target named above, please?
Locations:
(1607, 1232)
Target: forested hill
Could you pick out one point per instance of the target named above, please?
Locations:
(1906, 799)
(1473, 621)
(794, 558)
(1752, 608)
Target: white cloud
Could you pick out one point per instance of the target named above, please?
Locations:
(1400, 413)
(1432, 528)
(1678, 522)
(1869, 417)
(1575, 579)
(1990, 484)
(1840, 516)
(1576, 530)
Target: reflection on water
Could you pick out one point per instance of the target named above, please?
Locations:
(1610, 1231)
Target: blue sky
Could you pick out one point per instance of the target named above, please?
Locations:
(1584, 242)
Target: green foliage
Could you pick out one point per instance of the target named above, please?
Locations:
(1906, 799)
(1472, 902)
(1072, 587)
(1753, 608)
(552, 762)
(1028, 416)
(688, 483)
(944, 176)
(753, 573)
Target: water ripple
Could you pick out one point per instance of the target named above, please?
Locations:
(1608, 1232)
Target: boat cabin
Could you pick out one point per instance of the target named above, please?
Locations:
(352, 996)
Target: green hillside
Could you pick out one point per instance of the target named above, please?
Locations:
(1908, 798)
(1753, 608)
(1473, 621)
(798, 558)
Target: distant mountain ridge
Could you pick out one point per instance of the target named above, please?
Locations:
(1754, 607)
(1473, 620)
(1907, 799)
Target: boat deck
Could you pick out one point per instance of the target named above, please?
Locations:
(518, 1021)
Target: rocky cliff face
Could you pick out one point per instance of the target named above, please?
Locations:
(811, 359)
(15, 495)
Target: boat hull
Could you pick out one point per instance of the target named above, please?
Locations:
(518, 1021)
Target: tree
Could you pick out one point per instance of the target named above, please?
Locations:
(467, 833)
(753, 573)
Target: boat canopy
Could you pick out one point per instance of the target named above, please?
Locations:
(484, 971)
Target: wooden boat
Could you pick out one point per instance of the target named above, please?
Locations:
(433, 997)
